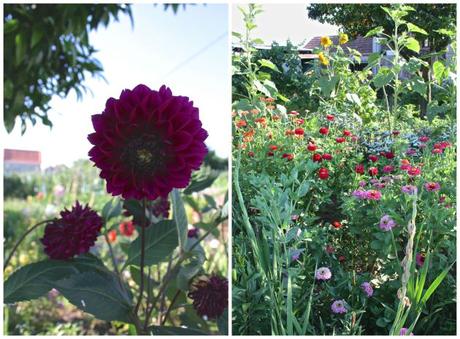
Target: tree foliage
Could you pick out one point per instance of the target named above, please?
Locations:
(48, 52)
(358, 19)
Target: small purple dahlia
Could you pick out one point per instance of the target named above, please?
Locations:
(210, 296)
(339, 307)
(74, 233)
(386, 223)
(367, 288)
(147, 142)
(323, 273)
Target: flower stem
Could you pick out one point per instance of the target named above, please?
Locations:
(141, 284)
(21, 239)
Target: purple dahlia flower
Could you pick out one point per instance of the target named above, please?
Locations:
(386, 223)
(338, 307)
(323, 273)
(210, 296)
(367, 288)
(74, 233)
(147, 142)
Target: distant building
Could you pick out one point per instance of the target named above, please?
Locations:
(21, 161)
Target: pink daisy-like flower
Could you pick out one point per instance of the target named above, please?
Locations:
(404, 330)
(323, 273)
(388, 169)
(210, 296)
(147, 143)
(338, 307)
(373, 195)
(74, 233)
(367, 288)
(414, 171)
(360, 194)
(386, 223)
(409, 189)
(432, 186)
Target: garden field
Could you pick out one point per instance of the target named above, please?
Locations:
(344, 183)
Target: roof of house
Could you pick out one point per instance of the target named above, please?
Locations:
(22, 156)
(361, 44)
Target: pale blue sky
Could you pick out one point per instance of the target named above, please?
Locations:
(146, 53)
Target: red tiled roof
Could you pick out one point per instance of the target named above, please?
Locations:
(23, 157)
(361, 44)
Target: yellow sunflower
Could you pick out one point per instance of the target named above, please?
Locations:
(343, 38)
(323, 59)
(326, 41)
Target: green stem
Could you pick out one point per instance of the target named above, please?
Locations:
(7, 261)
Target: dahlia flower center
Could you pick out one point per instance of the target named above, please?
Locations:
(145, 154)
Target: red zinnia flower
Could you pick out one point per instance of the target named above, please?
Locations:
(210, 296)
(388, 168)
(341, 258)
(299, 121)
(396, 132)
(317, 157)
(346, 133)
(330, 117)
(293, 113)
(389, 155)
(299, 131)
(127, 228)
(327, 156)
(288, 156)
(311, 147)
(273, 147)
(359, 169)
(340, 140)
(373, 158)
(323, 173)
(270, 154)
(251, 154)
(437, 151)
(74, 233)
(239, 123)
(112, 236)
(324, 130)
(423, 138)
(414, 171)
(147, 143)
(336, 224)
(373, 171)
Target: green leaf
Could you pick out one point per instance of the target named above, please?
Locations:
(136, 276)
(192, 266)
(327, 84)
(439, 71)
(180, 218)
(412, 44)
(375, 31)
(111, 209)
(34, 280)
(160, 242)
(261, 88)
(37, 35)
(202, 179)
(167, 330)
(383, 77)
(222, 323)
(99, 294)
(434, 285)
(268, 64)
(414, 28)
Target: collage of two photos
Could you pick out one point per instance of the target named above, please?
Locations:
(229, 169)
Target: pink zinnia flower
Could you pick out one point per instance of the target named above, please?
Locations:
(388, 169)
(437, 151)
(147, 143)
(373, 195)
(74, 233)
(338, 307)
(386, 223)
(432, 186)
(423, 138)
(411, 151)
(367, 288)
(323, 273)
(409, 189)
(403, 331)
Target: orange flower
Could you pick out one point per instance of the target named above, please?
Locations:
(241, 123)
(248, 136)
